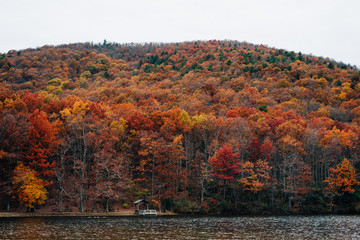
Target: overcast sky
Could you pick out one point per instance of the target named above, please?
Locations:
(328, 28)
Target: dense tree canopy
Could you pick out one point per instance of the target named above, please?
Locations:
(216, 126)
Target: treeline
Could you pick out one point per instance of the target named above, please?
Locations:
(217, 126)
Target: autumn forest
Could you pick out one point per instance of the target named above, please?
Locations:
(193, 127)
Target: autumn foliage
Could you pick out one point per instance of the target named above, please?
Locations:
(225, 163)
(42, 143)
(342, 179)
(29, 188)
(215, 126)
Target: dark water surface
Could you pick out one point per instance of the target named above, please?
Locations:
(182, 227)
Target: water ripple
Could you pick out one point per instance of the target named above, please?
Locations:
(183, 227)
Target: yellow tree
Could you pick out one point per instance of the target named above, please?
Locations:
(79, 124)
(29, 187)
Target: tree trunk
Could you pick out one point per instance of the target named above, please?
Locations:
(107, 204)
(8, 203)
(289, 202)
(331, 203)
(60, 201)
(178, 170)
(95, 206)
(81, 208)
(152, 180)
(202, 190)
(159, 200)
(224, 189)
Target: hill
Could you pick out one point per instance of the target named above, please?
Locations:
(216, 126)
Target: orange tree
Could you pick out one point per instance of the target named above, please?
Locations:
(43, 142)
(341, 180)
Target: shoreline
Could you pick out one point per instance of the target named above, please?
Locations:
(132, 214)
(75, 214)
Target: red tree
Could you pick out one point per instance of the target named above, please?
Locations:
(225, 164)
(254, 150)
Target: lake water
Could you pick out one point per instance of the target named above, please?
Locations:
(182, 227)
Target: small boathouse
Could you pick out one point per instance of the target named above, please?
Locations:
(146, 211)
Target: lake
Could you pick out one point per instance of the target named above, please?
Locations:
(182, 227)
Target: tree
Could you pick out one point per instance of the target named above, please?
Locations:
(159, 165)
(342, 180)
(255, 176)
(108, 167)
(254, 150)
(221, 55)
(43, 142)
(225, 164)
(331, 66)
(29, 188)
(78, 124)
(298, 181)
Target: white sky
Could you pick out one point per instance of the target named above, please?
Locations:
(328, 28)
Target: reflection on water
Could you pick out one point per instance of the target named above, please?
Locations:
(183, 227)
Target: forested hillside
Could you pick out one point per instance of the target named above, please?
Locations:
(203, 127)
